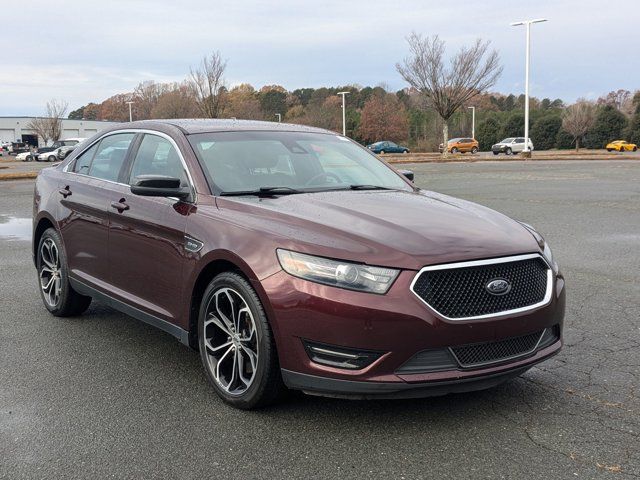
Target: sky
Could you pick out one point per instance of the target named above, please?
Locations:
(81, 51)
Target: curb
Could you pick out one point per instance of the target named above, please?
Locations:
(18, 176)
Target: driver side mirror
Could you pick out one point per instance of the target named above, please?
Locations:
(408, 174)
(159, 186)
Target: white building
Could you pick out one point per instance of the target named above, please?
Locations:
(15, 129)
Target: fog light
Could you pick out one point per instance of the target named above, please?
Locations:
(340, 357)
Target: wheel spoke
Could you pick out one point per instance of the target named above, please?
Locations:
(216, 321)
(224, 318)
(207, 342)
(217, 375)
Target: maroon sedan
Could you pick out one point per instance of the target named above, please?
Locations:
(292, 257)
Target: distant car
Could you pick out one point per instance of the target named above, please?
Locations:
(67, 146)
(511, 145)
(26, 156)
(387, 147)
(47, 154)
(621, 146)
(461, 145)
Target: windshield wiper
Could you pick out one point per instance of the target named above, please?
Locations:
(263, 190)
(369, 187)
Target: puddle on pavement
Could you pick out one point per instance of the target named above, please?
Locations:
(13, 228)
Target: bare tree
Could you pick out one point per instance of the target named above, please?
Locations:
(207, 83)
(577, 119)
(49, 127)
(56, 109)
(470, 72)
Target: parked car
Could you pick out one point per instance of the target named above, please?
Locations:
(27, 156)
(291, 257)
(621, 146)
(511, 145)
(17, 147)
(47, 154)
(461, 145)
(387, 147)
(65, 147)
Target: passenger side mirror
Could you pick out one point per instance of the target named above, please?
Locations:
(407, 173)
(159, 186)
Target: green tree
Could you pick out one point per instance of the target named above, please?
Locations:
(564, 140)
(272, 101)
(514, 126)
(487, 132)
(545, 131)
(632, 134)
(609, 125)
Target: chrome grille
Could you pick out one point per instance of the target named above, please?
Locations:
(458, 291)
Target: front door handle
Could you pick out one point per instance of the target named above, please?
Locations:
(65, 192)
(121, 206)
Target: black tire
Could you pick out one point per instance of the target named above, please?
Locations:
(609, 150)
(51, 158)
(454, 150)
(635, 149)
(407, 151)
(496, 153)
(381, 152)
(508, 151)
(266, 385)
(69, 302)
(474, 150)
(37, 158)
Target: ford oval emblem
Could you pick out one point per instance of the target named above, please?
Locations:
(498, 286)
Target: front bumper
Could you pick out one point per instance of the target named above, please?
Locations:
(399, 326)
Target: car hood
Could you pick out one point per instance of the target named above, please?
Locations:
(388, 228)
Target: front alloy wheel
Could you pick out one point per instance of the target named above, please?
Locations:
(236, 344)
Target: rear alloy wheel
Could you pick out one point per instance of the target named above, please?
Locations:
(236, 344)
(454, 150)
(56, 291)
(51, 158)
(474, 150)
(381, 152)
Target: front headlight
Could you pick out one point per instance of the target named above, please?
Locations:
(352, 276)
(544, 245)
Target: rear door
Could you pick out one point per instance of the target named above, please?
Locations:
(87, 187)
(518, 144)
(147, 234)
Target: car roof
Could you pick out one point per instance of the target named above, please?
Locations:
(204, 125)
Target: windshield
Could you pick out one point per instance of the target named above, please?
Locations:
(508, 140)
(247, 161)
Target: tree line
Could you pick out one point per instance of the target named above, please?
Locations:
(432, 106)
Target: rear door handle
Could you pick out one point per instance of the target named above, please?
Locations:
(121, 206)
(65, 192)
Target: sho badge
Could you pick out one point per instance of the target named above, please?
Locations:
(498, 286)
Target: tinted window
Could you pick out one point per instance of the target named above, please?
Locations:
(110, 156)
(157, 156)
(84, 161)
(519, 140)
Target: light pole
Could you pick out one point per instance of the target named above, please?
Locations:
(473, 122)
(279, 117)
(344, 116)
(527, 23)
(130, 116)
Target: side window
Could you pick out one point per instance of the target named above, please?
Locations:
(83, 162)
(110, 155)
(157, 156)
(519, 140)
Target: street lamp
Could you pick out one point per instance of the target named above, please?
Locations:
(527, 23)
(279, 117)
(344, 117)
(130, 116)
(473, 122)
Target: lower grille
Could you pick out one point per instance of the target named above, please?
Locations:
(469, 356)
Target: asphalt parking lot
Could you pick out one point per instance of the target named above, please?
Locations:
(103, 395)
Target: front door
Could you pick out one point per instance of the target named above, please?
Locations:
(146, 234)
